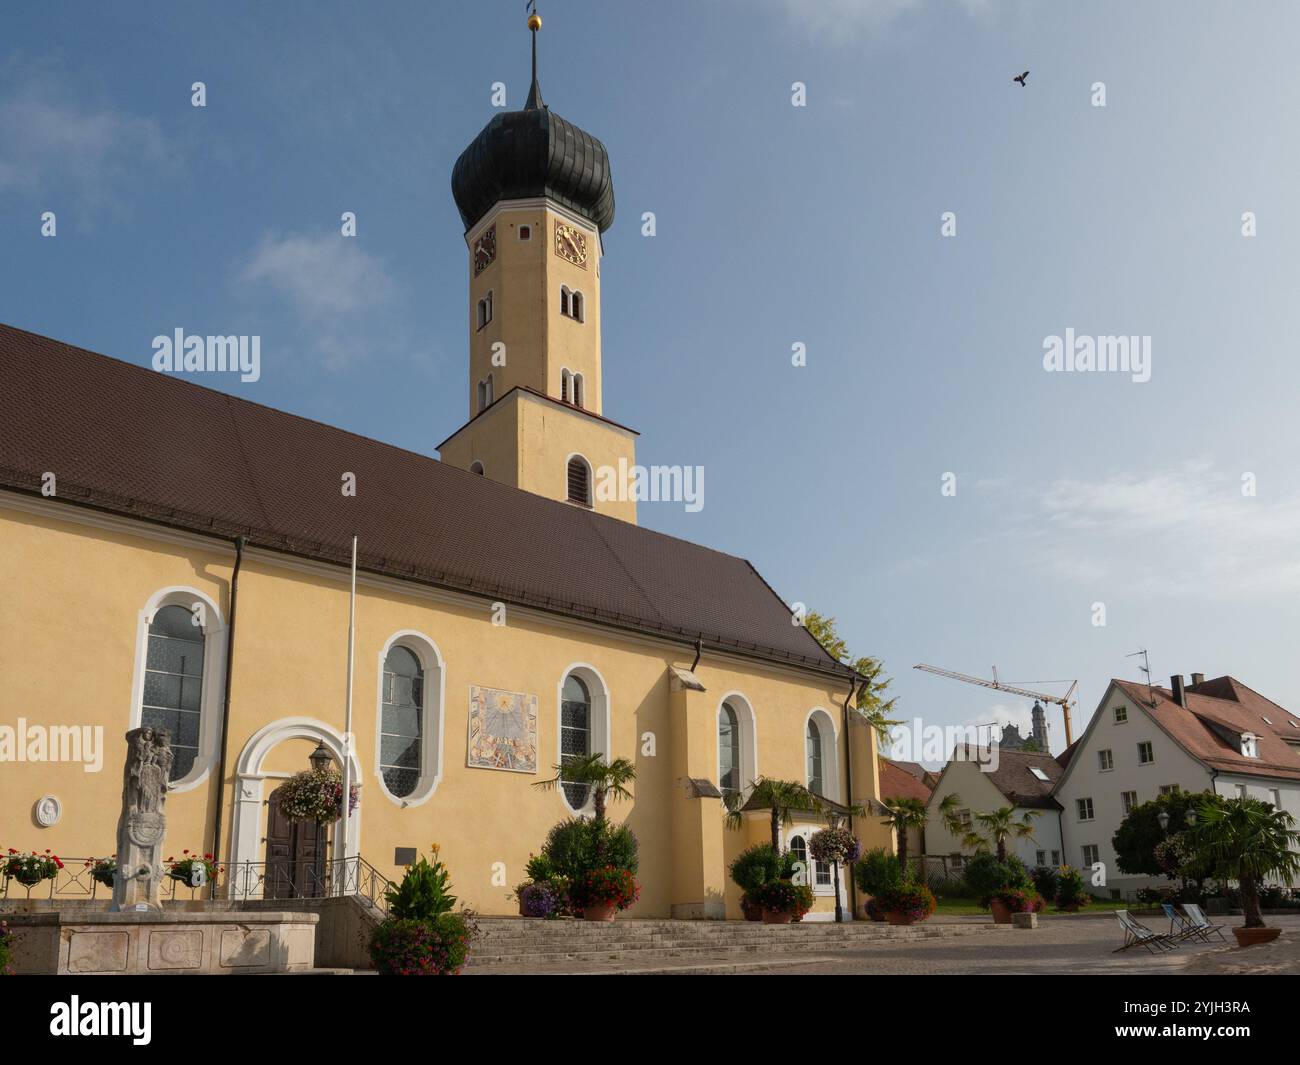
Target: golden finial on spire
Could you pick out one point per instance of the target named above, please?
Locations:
(534, 19)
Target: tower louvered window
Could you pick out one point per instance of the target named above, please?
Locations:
(579, 482)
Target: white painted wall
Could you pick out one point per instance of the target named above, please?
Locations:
(978, 795)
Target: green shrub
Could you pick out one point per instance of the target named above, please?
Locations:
(539, 868)
(576, 847)
(434, 947)
(1045, 878)
(1069, 888)
(6, 948)
(423, 893)
(876, 871)
(755, 866)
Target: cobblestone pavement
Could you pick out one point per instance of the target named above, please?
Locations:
(1063, 945)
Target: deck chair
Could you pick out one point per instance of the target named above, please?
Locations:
(1136, 933)
(1180, 926)
(1202, 924)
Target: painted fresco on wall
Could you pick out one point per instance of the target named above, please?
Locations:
(502, 730)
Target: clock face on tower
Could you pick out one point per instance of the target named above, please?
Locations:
(485, 250)
(571, 244)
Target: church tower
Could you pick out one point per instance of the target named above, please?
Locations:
(535, 194)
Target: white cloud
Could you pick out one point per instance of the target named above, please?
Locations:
(50, 143)
(321, 276)
(1187, 530)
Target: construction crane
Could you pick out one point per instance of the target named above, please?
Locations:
(1063, 701)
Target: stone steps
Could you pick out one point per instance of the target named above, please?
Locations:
(511, 945)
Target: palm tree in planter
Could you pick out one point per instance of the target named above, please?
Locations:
(781, 797)
(1000, 826)
(1248, 841)
(605, 779)
(903, 815)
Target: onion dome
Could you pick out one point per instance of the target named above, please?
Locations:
(534, 152)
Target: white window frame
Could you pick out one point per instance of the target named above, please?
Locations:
(484, 318)
(1105, 760)
(1151, 750)
(805, 832)
(591, 481)
(1124, 804)
(525, 231)
(1121, 714)
(1079, 808)
(431, 720)
(598, 727)
(1096, 854)
(579, 391)
(213, 693)
(1249, 745)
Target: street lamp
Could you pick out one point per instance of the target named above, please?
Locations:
(1190, 818)
(1162, 819)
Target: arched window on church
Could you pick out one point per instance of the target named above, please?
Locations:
(575, 306)
(564, 300)
(485, 310)
(579, 481)
(491, 398)
(400, 735)
(575, 733)
(816, 779)
(579, 391)
(729, 781)
(476, 467)
(173, 684)
(566, 386)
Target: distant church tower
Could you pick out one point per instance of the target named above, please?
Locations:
(535, 194)
(1039, 734)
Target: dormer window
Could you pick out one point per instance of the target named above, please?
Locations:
(1249, 745)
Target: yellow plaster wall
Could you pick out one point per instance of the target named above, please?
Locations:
(68, 630)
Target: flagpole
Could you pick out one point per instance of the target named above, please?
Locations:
(347, 726)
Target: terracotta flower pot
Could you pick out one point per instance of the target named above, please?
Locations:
(898, 917)
(1001, 911)
(1252, 937)
(599, 911)
(777, 916)
(752, 911)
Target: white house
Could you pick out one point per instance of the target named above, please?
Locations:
(1022, 780)
(1144, 741)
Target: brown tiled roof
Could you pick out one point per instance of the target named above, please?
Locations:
(1265, 713)
(897, 783)
(1192, 728)
(134, 442)
(1013, 778)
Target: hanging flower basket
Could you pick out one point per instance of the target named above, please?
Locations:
(102, 870)
(316, 795)
(835, 845)
(183, 871)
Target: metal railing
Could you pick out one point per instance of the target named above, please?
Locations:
(240, 882)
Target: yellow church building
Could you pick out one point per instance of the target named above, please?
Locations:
(175, 556)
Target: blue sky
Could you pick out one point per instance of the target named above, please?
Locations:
(776, 225)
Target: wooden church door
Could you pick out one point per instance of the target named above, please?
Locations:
(295, 856)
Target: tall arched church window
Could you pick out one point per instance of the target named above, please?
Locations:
(173, 684)
(729, 782)
(816, 779)
(401, 731)
(564, 300)
(575, 733)
(579, 391)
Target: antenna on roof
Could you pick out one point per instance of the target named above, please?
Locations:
(1146, 668)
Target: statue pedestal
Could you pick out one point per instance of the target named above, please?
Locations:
(139, 863)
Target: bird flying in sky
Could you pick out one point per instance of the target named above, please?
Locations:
(1021, 78)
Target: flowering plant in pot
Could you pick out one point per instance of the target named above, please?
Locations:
(316, 795)
(784, 901)
(102, 870)
(754, 867)
(906, 903)
(408, 946)
(193, 869)
(541, 898)
(30, 869)
(875, 871)
(1019, 900)
(600, 893)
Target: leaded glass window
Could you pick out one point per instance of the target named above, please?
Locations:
(402, 723)
(173, 683)
(575, 733)
(814, 758)
(728, 750)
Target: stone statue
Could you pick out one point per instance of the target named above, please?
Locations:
(142, 823)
